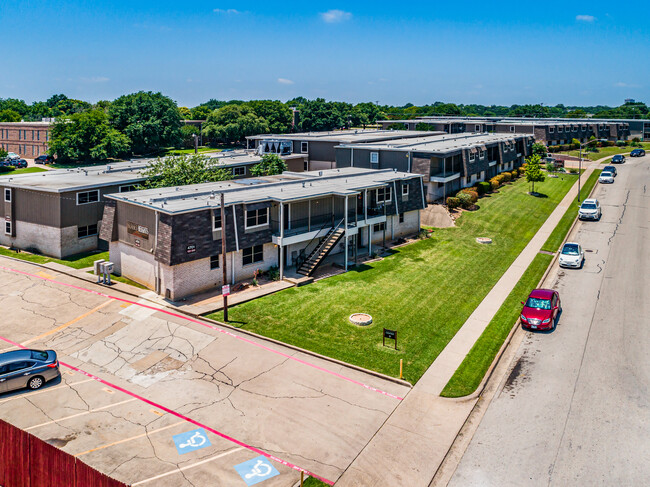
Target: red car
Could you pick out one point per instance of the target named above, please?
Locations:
(541, 310)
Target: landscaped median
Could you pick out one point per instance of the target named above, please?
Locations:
(425, 291)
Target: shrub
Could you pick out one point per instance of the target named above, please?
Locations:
(6, 168)
(506, 177)
(621, 143)
(500, 179)
(483, 187)
(465, 200)
(471, 192)
(514, 174)
(572, 170)
(494, 183)
(636, 140)
(273, 273)
(453, 202)
(550, 167)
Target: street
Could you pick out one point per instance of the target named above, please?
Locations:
(574, 408)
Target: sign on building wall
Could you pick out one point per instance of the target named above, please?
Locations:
(190, 249)
(137, 230)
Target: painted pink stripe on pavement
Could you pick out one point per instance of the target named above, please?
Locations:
(215, 328)
(185, 418)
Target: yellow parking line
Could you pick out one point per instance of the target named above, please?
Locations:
(80, 414)
(42, 391)
(72, 322)
(129, 439)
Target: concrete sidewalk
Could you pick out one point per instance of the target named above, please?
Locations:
(414, 440)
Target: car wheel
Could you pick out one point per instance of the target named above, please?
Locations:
(35, 382)
(582, 264)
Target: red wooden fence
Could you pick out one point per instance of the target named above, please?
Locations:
(28, 461)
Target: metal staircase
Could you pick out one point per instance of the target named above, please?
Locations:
(324, 247)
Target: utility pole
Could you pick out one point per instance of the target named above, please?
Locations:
(223, 256)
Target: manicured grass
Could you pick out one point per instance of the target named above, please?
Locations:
(78, 261)
(24, 170)
(556, 238)
(606, 151)
(178, 152)
(473, 368)
(312, 482)
(425, 291)
(125, 280)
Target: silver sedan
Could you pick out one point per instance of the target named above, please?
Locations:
(27, 368)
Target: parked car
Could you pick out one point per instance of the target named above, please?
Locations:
(7, 162)
(27, 368)
(637, 153)
(590, 210)
(572, 255)
(611, 169)
(44, 159)
(541, 310)
(618, 159)
(12, 155)
(606, 177)
(19, 163)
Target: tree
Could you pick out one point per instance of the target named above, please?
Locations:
(319, 115)
(423, 126)
(396, 126)
(150, 120)
(533, 170)
(9, 116)
(87, 136)
(278, 116)
(540, 149)
(183, 170)
(577, 113)
(199, 113)
(3, 153)
(233, 123)
(185, 113)
(188, 132)
(18, 106)
(270, 164)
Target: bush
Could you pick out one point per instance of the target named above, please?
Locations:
(465, 200)
(6, 168)
(483, 187)
(453, 202)
(506, 177)
(494, 183)
(500, 179)
(471, 192)
(621, 143)
(273, 273)
(514, 174)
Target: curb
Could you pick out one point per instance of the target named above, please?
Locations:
(238, 330)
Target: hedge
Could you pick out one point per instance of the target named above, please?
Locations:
(483, 187)
(452, 202)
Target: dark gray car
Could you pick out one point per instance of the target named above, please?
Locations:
(27, 368)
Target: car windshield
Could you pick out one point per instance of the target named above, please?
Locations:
(570, 250)
(588, 206)
(606, 175)
(608, 169)
(538, 303)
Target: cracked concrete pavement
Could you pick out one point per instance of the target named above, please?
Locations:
(310, 418)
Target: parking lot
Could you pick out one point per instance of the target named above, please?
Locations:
(134, 377)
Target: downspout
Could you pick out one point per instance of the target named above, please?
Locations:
(234, 221)
(155, 248)
(281, 237)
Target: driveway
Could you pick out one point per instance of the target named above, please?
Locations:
(575, 408)
(134, 377)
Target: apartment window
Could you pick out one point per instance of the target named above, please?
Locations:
(216, 220)
(374, 158)
(383, 195)
(471, 157)
(88, 197)
(512, 128)
(47, 136)
(253, 254)
(128, 187)
(405, 189)
(239, 171)
(551, 130)
(8, 228)
(32, 135)
(304, 147)
(306, 166)
(481, 154)
(379, 227)
(559, 129)
(257, 218)
(8, 195)
(214, 262)
(38, 135)
(86, 231)
(401, 217)
(477, 128)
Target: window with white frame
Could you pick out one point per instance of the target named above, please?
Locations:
(559, 129)
(252, 254)
(374, 158)
(379, 227)
(86, 231)
(214, 262)
(239, 171)
(383, 195)
(216, 220)
(128, 187)
(477, 128)
(257, 218)
(481, 154)
(512, 128)
(7, 228)
(88, 197)
(8, 195)
(304, 147)
(551, 130)
(471, 157)
(574, 128)
(405, 189)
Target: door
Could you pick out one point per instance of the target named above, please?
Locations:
(17, 375)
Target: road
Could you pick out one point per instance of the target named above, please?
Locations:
(154, 375)
(575, 408)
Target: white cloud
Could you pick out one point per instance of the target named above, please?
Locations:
(226, 11)
(621, 84)
(585, 18)
(95, 79)
(334, 16)
(285, 81)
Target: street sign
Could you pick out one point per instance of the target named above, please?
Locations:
(225, 290)
(191, 441)
(256, 470)
(391, 335)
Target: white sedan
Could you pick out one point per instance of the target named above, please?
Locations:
(606, 177)
(572, 255)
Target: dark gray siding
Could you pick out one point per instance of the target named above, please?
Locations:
(38, 207)
(136, 215)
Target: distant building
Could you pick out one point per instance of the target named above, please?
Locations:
(630, 100)
(27, 139)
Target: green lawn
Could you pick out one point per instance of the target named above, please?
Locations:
(425, 291)
(312, 482)
(178, 152)
(24, 170)
(473, 368)
(605, 151)
(556, 238)
(78, 261)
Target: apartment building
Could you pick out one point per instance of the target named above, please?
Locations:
(447, 163)
(170, 239)
(319, 147)
(27, 139)
(446, 125)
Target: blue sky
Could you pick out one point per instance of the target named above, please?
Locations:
(396, 52)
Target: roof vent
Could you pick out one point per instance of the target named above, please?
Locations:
(211, 194)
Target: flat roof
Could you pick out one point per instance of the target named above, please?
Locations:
(345, 136)
(286, 187)
(439, 143)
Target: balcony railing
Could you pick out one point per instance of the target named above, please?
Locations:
(304, 225)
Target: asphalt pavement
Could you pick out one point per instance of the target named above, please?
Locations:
(574, 407)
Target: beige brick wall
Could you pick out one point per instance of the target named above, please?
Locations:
(71, 244)
(134, 263)
(47, 240)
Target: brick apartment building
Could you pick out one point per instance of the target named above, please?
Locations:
(27, 139)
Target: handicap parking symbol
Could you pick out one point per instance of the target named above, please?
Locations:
(191, 441)
(256, 470)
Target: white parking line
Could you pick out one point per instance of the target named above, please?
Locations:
(181, 469)
(42, 391)
(80, 414)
